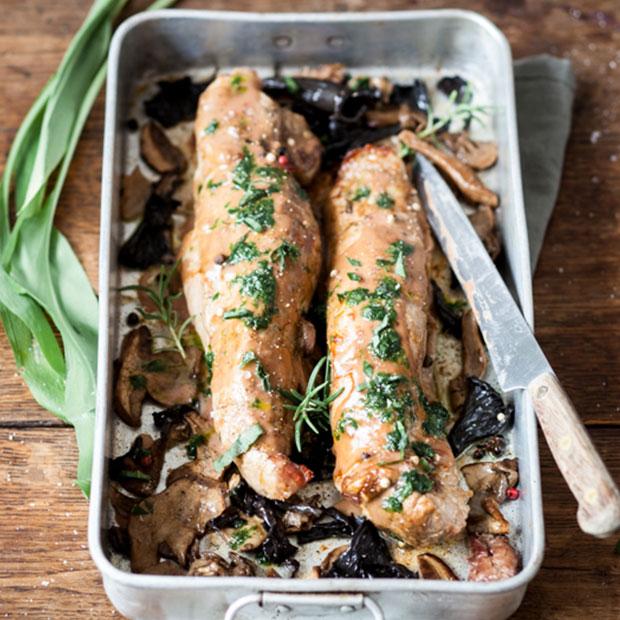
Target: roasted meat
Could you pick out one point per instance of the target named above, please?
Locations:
(392, 457)
(250, 267)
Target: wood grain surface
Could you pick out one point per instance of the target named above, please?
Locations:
(45, 570)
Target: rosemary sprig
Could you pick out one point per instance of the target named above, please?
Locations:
(163, 299)
(463, 110)
(312, 408)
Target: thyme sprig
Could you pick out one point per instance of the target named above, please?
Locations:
(163, 299)
(463, 110)
(312, 408)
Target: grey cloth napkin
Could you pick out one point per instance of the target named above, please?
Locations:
(545, 89)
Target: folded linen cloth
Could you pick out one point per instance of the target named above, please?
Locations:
(544, 89)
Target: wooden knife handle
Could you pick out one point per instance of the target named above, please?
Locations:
(582, 467)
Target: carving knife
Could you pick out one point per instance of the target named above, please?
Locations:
(517, 359)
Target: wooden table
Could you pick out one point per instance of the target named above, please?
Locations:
(45, 569)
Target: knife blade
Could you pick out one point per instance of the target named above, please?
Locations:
(517, 358)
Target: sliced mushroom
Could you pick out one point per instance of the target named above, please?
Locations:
(478, 155)
(165, 376)
(489, 482)
(432, 567)
(330, 558)
(332, 72)
(474, 353)
(119, 539)
(172, 519)
(135, 191)
(403, 115)
(308, 336)
(483, 221)
(459, 173)
(130, 382)
(167, 567)
(122, 505)
(157, 150)
(138, 470)
(491, 558)
(213, 565)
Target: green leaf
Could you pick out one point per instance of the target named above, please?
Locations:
(240, 446)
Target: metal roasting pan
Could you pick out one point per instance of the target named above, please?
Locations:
(405, 44)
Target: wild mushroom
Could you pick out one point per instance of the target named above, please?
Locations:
(122, 505)
(138, 470)
(459, 173)
(130, 383)
(166, 567)
(214, 565)
(489, 481)
(157, 150)
(474, 352)
(175, 100)
(247, 535)
(165, 376)
(491, 558)
(135, 190)
(483, 221)
(172, 519)
(478, 155)
(432, 567)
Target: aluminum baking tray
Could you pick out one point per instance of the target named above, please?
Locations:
(398, 44)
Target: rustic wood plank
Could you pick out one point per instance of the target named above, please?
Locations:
(576, 290)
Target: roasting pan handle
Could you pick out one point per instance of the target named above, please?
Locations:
(343, 602)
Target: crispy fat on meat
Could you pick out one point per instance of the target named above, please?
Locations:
(392, 457)
(250, 267)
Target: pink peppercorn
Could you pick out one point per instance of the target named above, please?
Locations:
(512, 493)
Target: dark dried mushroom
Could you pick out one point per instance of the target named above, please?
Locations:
(354, 138)
(135, 190)
(334, 525)
(432, 567)
(158, 152)
(175, 101)
(483, 221)
(367, 556)
(461, 175)
(414, 95)
(479, 155)
(455, 83)
(491, 558)
(484, 414)
(138, 470)
(167, 523)
(150, 242)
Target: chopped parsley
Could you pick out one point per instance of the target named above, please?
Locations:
(436, 416)
(354, 276)
(405, 151)
(261, 373)
(211, 184)
(192, 445)
(382, 394)
(240, 446)
(260, 286)
(285, 250)
(242, 250)
(241, 536)
(397, 439)
(355, 296)
(211, 128)
(361, 193)
(345, 420)
(209, 357)
(397, 252)
(354, 262)
(410, 481)
(134, 474)
(385, 343)
(359, 83)
(138, 382)
(142, 509)
(385, 201)
(291, 85)
(237, 83)
(256, 207)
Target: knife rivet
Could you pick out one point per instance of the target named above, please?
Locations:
(542, 391)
